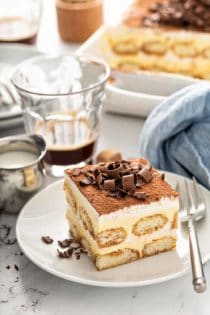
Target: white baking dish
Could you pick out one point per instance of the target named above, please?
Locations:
(135, 93)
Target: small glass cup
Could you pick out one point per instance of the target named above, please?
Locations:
(19, 20)
(61, 99)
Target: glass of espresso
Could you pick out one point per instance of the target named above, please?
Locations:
(61, 98)
(19, 20)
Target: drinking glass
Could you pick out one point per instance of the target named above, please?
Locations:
(61, 99)
(19, 20)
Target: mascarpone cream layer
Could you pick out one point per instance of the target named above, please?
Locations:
(132, 241)
(125, 217)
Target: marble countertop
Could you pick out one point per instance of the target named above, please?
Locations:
(26, 289)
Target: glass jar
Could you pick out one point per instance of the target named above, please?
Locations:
(19, 20)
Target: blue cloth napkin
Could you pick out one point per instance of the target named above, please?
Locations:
(176, 135)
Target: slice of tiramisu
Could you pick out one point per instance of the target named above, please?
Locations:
(121, 211)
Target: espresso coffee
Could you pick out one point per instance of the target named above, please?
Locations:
(69, 141)
(17, 29)
(69, 156)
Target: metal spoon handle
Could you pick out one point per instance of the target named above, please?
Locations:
(199, 281)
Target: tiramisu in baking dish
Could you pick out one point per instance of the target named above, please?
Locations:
(121, 211)
(164, 36)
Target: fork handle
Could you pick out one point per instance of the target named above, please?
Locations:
(199, 281)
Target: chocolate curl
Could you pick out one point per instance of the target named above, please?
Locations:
(65, 243)
(114, 169)
(193, 14)
(66, 254)
(128, 182)
(109, 184)
(47, 239)
(126, 164)
(140, 195)
(146, 174)
(96, 172)
(92, 179)
(99, 181)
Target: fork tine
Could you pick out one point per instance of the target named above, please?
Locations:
(189, 199)
(181, 201)
(198, 193)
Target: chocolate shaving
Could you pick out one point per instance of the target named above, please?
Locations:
(71, 245)
(113, 169)
(140, 195)
(83, 251)
(162, 176)
(96, 172)
(109, 184)
(65, 254)
(92, 179)
(47, 239)
(99, 181)
(189, 14)
(145, 174)
(70, 251)
(119, 179)
(65, 243)
(128, 182)
(126, 164)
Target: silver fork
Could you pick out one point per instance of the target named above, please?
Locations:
(192, 210)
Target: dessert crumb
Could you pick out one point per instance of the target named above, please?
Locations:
(47, 239)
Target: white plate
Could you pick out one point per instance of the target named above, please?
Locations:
(136, 93)
(10, 56)
(45, 215)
